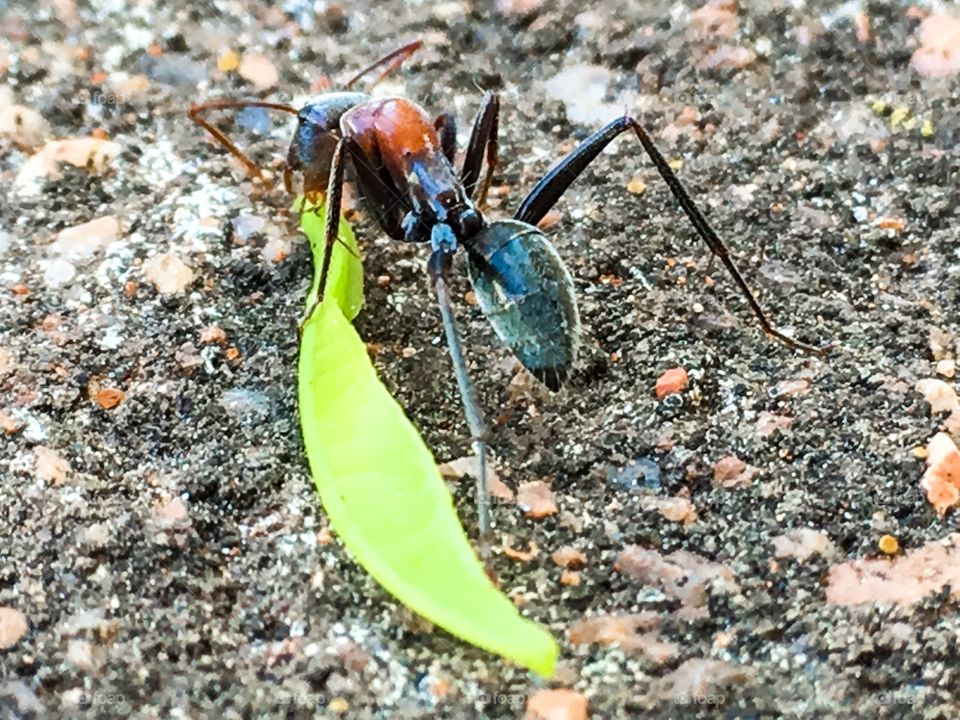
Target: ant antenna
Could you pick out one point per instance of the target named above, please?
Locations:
(392, 61)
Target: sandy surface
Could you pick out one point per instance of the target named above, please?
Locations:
(162, 552)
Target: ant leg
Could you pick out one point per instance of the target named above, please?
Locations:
(196, 111)
(331, 228)
(446, 125)
(391, 60)
(379, 193)
(439, 266)
(546, 193)
(483, 138)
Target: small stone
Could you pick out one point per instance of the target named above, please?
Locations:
(250, 407)
(275, 250)
(259, 71)
(95, 536)
(80, 653)
(49, 466)
(941, 481)
(94, 154)
(675, 509)
(109, 398)
(470, 466)
(636, 186)
(171, 513)
(732, 472)
(26, 127)
(80, 243)
(942, 398)
(168, 273)
(570, 578)
(672, 381)
(947, 368)
(521, 555)
(727, 56)
(536, 499)
(245, 226)
(888, 545)
(519, 8)
(8, 424)
(560, 704)
(768, 423)
(570, 558)
(338, 705)
(58, 272)
(939, 51)
(801, 544)
(213, 335)
(13, 626)
(629, 477)
(228, 61)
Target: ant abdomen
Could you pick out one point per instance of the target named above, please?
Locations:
(525, 290)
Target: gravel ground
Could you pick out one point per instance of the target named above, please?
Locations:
(163, 553)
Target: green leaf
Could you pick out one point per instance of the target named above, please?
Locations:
(380, 486)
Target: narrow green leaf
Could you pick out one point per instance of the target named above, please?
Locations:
(380, 486)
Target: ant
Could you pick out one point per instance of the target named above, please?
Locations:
(404, 165)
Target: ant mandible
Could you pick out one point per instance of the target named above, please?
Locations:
(404, 162)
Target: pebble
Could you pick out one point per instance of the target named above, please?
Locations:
(246, 406)
(559, 704)
(79, 244)
(173, 69)
(672, 381)
(25, 126)
(469, 466)
(95, 536)
(583, 91)
(49, 466)
(732, 472)
(168, 273)
(629, 477)
(939, 51)
(947, 367)
(275, 250)
(570, 558)
(536, 499)
(13, 626)
(519, 8)
(942, 398)
(58, 272)
(213, 335)
(246, 226)
(94, 154)
(259, 71)
(941, 481)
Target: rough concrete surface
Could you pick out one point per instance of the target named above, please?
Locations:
(162, 551)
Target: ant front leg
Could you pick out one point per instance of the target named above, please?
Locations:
(483, 141)
(331, 228)
(446, 125)
(439, 266)
(546, 193)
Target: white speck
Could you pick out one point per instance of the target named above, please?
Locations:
(111, 339)
(59, 272)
